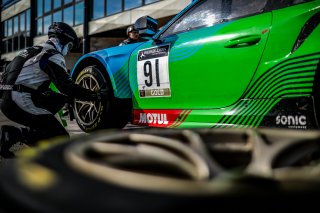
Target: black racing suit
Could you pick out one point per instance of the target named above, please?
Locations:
(36, 108)
(128, 41)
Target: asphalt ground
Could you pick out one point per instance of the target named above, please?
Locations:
(72, 128)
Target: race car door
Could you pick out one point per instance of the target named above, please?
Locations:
(204, 59)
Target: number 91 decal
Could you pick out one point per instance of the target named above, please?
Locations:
(153, 72)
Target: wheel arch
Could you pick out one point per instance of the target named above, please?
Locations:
(102, 65)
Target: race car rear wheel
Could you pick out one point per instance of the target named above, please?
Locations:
(92, 116)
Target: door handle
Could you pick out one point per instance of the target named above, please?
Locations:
(244, 41)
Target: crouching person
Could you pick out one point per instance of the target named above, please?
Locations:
(30, 101)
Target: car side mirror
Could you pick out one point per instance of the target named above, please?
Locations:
(147, 26)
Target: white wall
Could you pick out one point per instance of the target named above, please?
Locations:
(15, 9)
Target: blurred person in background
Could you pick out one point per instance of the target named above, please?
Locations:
(133, 36)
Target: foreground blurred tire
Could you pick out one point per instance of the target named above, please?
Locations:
(158, 170)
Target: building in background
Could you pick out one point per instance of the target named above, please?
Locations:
(100, 23)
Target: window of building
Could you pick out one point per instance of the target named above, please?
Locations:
(57, 16)
(68, 11)
(22, 38)
(47, 5)
(16, 32)
(47, 21)
(8, 42)
(72, 11)
(39, 27)
(15, 24)
(28, 21)
(150, 1)
(7, 3)
(56, 4)
(22, 22)
(98, 9)
(113, 6)
(130, 4)
(68, 15)
(9, 27)
(103, 8)
(40, 7)
(79, 15)
(5, 29)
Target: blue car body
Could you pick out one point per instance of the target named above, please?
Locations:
(116, 63)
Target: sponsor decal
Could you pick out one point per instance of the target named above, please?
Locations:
(292, 121)
(154, 92)
(157, 118)
(6, 87)
(153, 118)
(153, 72)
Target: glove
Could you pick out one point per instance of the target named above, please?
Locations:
(103, 94)
(54, 95)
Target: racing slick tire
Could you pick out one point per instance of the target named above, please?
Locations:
(106, 114)
(166, 170)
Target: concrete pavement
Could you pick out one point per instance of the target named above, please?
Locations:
(72, 128)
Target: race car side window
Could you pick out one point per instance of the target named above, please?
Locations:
(241, 8)
(209, 12)
(204, 14)
(279, 4)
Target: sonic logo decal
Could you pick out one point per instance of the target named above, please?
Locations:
(292, 121)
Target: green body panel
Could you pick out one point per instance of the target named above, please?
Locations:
(282, 39)
(226, 86)
(228, 117)
(204, 70)
(282, 73)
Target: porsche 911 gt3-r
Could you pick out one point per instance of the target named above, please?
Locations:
(216, 64)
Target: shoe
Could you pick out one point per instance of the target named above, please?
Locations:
(9, 136)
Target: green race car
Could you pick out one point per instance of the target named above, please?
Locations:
(217, 64)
